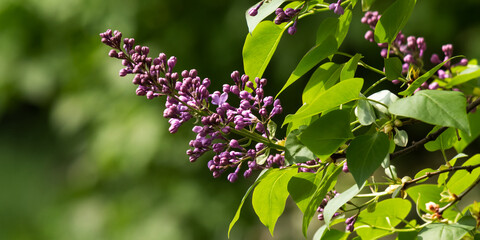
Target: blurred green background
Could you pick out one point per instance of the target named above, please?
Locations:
(81, 157)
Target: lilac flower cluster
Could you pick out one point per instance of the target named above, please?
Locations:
(189, 98)
(286, 16)
(411, 50)
(337, 7)
(324, 202)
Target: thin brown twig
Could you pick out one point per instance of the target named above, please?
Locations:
(469, 168)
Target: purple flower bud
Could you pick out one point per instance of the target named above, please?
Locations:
(422, 46)
(247, 173)
(416, 90)
(145, 50)
(412, 42)
(267, 101)
(350, 227)
(463, 62)
(384, 52)
(350, 220)
(174, 125)
(235, 90)
(345, 168)
(259, 146)
(232, 177)
(433, 86)
(396, 81)
(278, 11)
(197, 129)
(290, 12)
(435, 59)
(234, 144)
(409, 58)
(424, 85)
(245, 78)
(405, 68)
(260, 127)
(171, 63)
(245, 95)
(320, 216)
(369, 36)
(123, 72)
(150, 95)
(253, 12)
(263, 82)
(336, 7)
(113, 53)
(250, 85)
(447, 50)
(292, 29)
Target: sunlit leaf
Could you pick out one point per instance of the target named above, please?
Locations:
(341, 93)
(393, 20)
(270, 195)
(365, 154)
(443, 108)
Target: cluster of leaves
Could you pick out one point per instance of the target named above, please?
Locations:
(339, 125)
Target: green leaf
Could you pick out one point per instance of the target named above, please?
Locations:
(341, 93)
(418, 82)
(393, 68)
(441, 231)
(311, 59)
(336, 203)
(387, 214)
(296, 151)
(444, 108)
(423, 172)
(302, 186)
(237, 214)
(350, 67)
(343, 26)
(260, 160)
(324, 136)
(299, 123)
(335, 234)
(326, 234)
(260, 46)
(465, 139)
(425, 193)
(445, 141)
(465, 76)
(270, 195)
(328, 27)
(266, 9)
(328, 182)
(365, 154)
(272, 128)
(462, 179)
(364, 112)
(322, 79)
(366, 4)
(393, 20)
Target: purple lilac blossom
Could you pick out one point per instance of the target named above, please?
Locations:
(412, 50)
(187, 97)
(337, 7)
